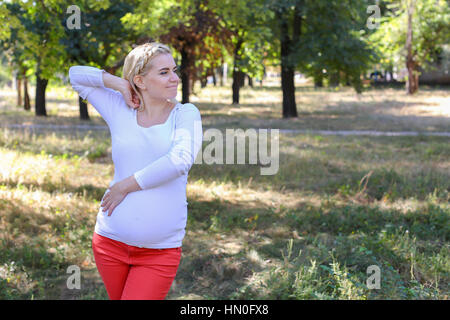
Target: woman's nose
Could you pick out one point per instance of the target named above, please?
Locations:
(175, 77)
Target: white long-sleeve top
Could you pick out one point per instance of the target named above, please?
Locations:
(159, 157)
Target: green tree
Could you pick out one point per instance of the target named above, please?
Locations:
(42, 43)
(13, 48)
(39, 36)
(191, 27)
(250, 37)
(286, 25)
(412, 33)
(102, 39)
(36, 41)
(319, 35)
(335, 46)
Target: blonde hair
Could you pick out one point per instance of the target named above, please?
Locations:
(138, 62)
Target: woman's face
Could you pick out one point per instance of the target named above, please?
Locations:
(161, 82)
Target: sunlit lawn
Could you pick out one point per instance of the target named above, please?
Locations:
(336, 206)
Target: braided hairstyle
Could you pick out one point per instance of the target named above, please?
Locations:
(138, 62)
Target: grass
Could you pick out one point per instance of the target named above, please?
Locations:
(337, 205)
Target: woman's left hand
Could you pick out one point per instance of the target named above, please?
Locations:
(114, 197)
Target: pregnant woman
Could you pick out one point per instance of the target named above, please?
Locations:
(155, 140)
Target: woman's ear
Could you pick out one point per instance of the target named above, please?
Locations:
(137, 79)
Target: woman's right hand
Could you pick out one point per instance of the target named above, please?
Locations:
(130, 96)
(124, 87)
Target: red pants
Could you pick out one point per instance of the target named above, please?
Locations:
(133, 273)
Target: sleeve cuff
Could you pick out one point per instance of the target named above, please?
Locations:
(138, 180)
(102, 84)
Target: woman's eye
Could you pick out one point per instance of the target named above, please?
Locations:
(177, 71)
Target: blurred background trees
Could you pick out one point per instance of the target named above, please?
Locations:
(328, 41)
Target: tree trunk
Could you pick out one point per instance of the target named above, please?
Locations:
(220, 72)
(237, 74)
(84, 115)
(41, 85)
(203, 82)
(19, 90)
(236, 85)
(263, 76)
(242, 76)
(287, 70)
(287, 84)
(334, 79)
(185, 87)
(412, 84)
(26, 96)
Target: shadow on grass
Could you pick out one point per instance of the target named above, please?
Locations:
(26, 247)
(42, 247)
(355, 236)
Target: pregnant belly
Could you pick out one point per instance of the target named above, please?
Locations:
(148, 216)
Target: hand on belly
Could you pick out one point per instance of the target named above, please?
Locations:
(113, 198)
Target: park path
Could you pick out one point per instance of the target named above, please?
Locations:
(286, 131)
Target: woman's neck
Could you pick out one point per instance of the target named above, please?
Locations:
(155, 107)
